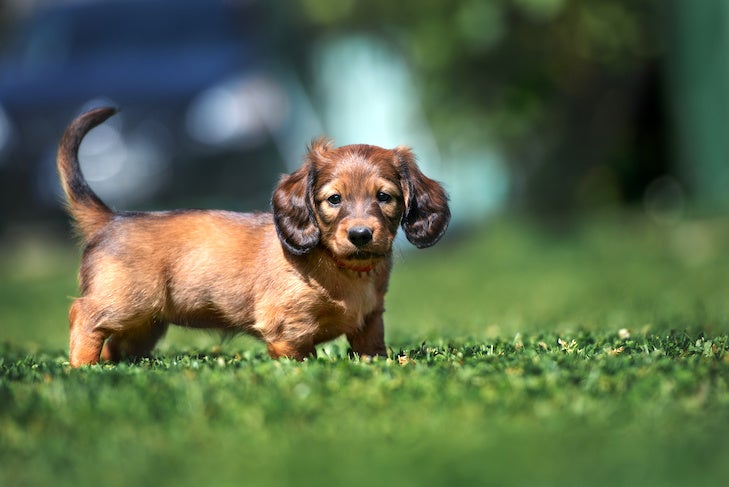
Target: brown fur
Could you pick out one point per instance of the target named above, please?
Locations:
(315, 269)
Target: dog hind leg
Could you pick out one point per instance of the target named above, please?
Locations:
(86, 339)
(298, 351)
(135, 343)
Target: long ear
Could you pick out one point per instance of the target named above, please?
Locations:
(427, 214)
(293, 215)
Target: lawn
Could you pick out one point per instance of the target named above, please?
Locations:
(593, 355)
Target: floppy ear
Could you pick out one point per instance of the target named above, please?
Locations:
(426, 214)
(293, 215)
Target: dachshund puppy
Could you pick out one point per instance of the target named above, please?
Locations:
(314, 269)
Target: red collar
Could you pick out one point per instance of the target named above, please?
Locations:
(362, 269)
(355, 268)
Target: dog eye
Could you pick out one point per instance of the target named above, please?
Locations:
(383, 197)
(334, 199)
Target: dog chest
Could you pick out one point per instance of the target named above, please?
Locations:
(346, 307)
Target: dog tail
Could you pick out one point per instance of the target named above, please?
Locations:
(88, 211)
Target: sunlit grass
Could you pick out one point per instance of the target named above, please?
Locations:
(518, 356)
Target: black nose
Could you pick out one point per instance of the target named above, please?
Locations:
(359, 236)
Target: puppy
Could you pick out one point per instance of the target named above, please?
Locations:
(315, 268)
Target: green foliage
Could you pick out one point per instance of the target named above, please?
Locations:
(570, 92)
(518, 357)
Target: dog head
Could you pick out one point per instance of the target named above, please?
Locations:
(351, 200)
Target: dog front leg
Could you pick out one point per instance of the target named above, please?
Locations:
(370, 339)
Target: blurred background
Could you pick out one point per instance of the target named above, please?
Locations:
(582, 143)
(553, 108)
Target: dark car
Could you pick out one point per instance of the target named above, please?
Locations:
(199, 111)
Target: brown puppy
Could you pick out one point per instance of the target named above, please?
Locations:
(315, 269)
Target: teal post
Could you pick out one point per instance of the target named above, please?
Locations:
(697, 65)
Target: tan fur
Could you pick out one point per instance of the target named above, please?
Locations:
(293, 278)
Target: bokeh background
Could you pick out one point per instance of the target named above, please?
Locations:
(549, 112)
(549, 107)
(584, 146)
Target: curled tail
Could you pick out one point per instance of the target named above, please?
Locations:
(89, 212)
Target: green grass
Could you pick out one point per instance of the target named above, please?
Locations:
(596, 356)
